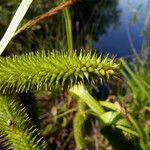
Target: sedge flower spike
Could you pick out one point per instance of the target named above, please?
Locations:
(42, 71)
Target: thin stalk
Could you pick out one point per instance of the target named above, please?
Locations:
(63, 114)
(67, 140)
(143, 139)
(132, 45)
(43, 16)
(127, 130)
(68, 25)
(135, 125)
(66, 113)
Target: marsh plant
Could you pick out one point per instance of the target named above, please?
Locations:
(69, 70)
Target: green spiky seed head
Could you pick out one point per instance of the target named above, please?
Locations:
(47, 70)
(16, 127)
(90, 69)
(102, 72)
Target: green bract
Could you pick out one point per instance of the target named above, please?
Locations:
(55, 69)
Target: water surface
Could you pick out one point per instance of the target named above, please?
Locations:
(120, 38)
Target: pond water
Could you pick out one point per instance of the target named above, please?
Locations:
(124, 34)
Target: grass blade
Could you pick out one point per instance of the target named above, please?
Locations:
(68, 25)
(21, 11)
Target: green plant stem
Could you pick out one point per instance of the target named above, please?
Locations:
(134, 77)
(108, 105)
(65, 113)
(78, 124)
(128, 130)
(68, 25)
(143, 140)
(80, 92)
(135, 126)
(67, 141)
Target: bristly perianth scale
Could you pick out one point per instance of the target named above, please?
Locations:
(42, 71)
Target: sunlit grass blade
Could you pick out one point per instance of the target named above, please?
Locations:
(21, 11)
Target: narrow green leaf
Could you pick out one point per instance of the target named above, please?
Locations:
(78, 127)
(68, 25)
(134, 78)
(21, 11)
(79, 92)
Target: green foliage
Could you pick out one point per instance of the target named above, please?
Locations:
(138, 95)
(139, 86)
(42, 71)
(16, 127)
(79, 124)
(78, 127)
(80, 92)
(112, 118)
